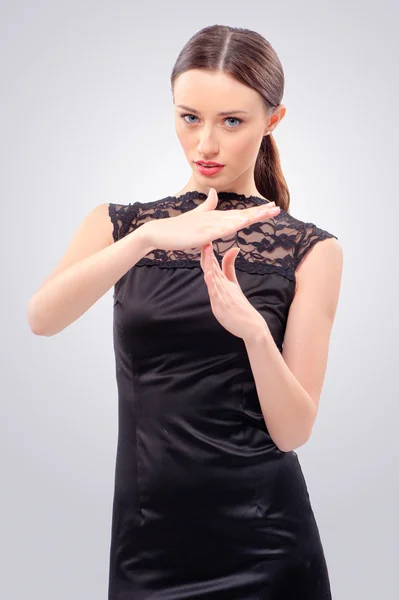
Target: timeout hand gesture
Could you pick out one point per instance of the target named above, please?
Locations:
(203, 224)
(229, 304)
(198, 228)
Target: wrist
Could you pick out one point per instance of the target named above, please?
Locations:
(260, 334)
(143, 233)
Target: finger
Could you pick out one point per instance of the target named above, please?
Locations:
(228, 265)
(203, 257)
(218, 289)
(263, 212)
(216, 270)
(213, 280)
(207, 262)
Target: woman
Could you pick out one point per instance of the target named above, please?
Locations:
(220, 356)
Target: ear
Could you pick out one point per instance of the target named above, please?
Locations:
(277, 115)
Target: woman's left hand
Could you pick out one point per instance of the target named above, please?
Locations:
(229, 304)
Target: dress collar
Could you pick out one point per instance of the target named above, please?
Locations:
(194, 194)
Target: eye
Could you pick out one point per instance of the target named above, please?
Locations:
(234, 119)
(188, 115)
(239, 121)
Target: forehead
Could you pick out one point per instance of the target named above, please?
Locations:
(213, 91)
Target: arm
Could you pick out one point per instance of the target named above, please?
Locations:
(289, 384)
(90, 267)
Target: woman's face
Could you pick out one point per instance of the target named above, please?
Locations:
(232, 139)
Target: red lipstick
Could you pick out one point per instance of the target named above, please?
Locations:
(211, 167)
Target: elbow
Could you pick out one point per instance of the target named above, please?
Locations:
(291, 447)
(33, 320)
(34, 327)
(302, 433)
(290, 444)
(297, 432)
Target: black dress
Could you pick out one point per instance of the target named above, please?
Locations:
(205, 504)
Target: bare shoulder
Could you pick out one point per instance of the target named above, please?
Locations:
(102, 212)
(319, 273)
(93, 233)
(326, 254)
(311, 315)
(96, 228)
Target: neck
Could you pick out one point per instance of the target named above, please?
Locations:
(203, 190)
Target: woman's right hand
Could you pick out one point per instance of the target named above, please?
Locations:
(203, 224)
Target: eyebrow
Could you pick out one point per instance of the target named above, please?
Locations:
(221, 114)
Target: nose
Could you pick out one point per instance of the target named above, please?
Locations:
(207, 145)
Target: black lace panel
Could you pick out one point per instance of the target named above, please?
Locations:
(276, 245)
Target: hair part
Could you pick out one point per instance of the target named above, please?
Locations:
(250, 58)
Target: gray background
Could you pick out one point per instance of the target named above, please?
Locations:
(87, 117)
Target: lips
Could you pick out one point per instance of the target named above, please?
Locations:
(208, 170)
(208, 164)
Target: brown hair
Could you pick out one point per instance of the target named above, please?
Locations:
(249, 57)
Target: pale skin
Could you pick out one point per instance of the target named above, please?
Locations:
(289, 384)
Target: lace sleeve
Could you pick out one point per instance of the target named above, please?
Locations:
(123, 217)
(308, 236)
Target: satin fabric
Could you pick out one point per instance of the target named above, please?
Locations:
(206, 507)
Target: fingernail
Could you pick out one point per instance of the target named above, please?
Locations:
(269, 211)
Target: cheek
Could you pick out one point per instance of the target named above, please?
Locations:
(184, 136)
(244, 148)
